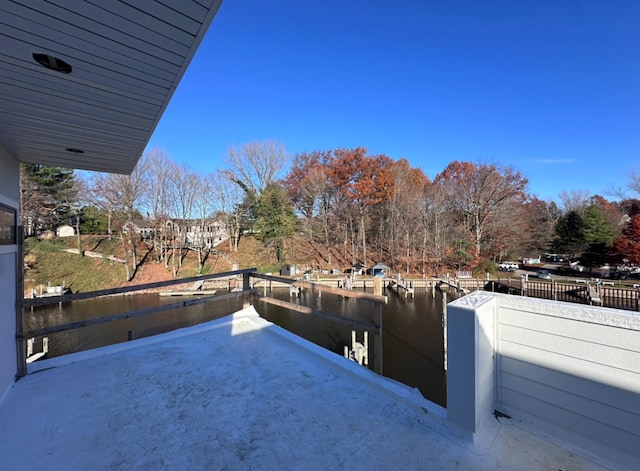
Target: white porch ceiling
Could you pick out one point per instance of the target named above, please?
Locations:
(127, 58)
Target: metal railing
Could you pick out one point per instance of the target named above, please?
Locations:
(247, 293)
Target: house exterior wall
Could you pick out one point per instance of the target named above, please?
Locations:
(568, 371)
(65, 231)
(209, 236)
(9, 196)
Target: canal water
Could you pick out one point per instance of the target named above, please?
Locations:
(412, 328)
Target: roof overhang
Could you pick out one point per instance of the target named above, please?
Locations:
(126, 57)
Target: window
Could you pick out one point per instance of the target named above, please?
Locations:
(7, 225)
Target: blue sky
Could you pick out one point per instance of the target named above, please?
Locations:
(550, 87)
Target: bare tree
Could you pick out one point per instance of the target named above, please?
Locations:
(185, 184)
(82, 192)
(634, 184)
(160, 168)
(227, 200)
(574, 200)
(122, 195)
(437, 226)
(257, 164)
(403, 213)
(483, 194)
(30, 202)
(203, 210)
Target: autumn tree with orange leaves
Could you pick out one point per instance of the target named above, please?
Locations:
(338, 194)
(312, 197)
(628, 244)
(403, 222)
(365, 183)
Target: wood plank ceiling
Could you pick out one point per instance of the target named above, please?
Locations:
(127, 58)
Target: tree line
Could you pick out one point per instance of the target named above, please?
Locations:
(348, 205)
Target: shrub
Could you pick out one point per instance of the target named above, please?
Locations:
(483, 267)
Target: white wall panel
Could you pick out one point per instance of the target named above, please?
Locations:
(9, 196)
(570, 371)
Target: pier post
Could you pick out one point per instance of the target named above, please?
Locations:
(377, 343)
(444, 327)
(246, 286)
(377, 286)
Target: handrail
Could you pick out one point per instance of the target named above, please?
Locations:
(375, 327)
(27, 302)
(125, 315)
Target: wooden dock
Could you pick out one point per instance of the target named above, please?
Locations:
(31, 357)
(400, 285)
(625, 296)
(594, 294)
(189, 292)
(450, 284)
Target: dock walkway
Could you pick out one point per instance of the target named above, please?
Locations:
(400, 285)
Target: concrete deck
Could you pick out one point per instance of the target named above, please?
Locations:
(239, 393)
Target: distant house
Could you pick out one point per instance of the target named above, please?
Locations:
(288, 270)
(531, 260)
(196, 232)
(65, 231)
(190, 232)
(357, 269)
(379, 269)
(145, 229)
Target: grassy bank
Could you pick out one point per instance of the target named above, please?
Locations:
(47, 263)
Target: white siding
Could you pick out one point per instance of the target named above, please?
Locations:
(571, 372)
(9, 195)
(127, 59)
(581, 375)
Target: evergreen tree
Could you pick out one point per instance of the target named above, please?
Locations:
(570, 234)
(94, 220)
(275, 218)
(47, 196)
(599, 236)
(247, 209)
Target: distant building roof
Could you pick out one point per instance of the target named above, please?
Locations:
(380, 266)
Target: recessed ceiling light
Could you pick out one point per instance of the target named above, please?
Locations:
(52, 63)
(74, 150)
